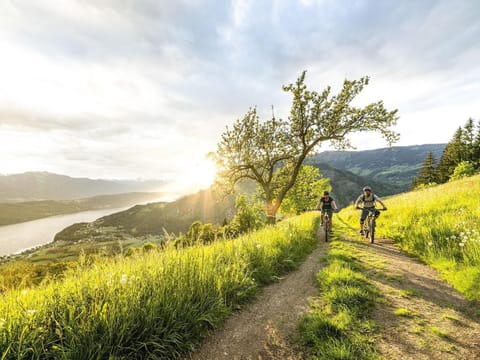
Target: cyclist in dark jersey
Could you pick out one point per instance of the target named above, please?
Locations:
(326, 204)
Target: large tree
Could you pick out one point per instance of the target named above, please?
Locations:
(272, 152)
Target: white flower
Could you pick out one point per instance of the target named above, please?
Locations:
(430, 243)
(462, 244)
(259, 246)
(123, 279)
(31, 312)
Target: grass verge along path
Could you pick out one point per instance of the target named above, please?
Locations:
(339, 324)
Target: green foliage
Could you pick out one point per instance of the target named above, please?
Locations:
(200, 233)
(439, 225)
(464, 169)
(464, 146)
(250, 216)
(304, 195)
(155, 304)
(427, 173)
(272, 152)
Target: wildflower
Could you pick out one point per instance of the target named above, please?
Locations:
(31, 312)
(259, 246)
(123, 279)
(462, 244)
(430, 243)
(24, 292)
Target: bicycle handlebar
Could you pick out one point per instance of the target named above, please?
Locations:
(362, 208)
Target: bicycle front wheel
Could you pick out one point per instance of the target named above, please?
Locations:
(372, 232)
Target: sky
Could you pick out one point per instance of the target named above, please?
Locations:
(143, 89)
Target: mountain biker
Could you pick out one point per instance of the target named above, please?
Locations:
(369, 199)
(327, 205)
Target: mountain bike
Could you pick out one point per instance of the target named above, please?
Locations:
(326, 223)
(369, 224)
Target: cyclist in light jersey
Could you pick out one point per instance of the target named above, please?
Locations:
(369, 200)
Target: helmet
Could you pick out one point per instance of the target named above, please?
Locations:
(326, 193)
(367, 188)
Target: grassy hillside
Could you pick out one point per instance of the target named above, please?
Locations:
(441, 226)
(152, 305)
(395, 166)
(11, 213)
(152, 219)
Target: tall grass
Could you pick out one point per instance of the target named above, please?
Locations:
(156, 305)
(441, 225)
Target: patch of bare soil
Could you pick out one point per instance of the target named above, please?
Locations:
(422, 316)
(264, 328)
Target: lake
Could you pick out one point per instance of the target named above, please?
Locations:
(18, 237)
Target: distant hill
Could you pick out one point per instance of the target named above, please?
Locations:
(395, 166)
(346, 186)
(16, 212)
(47, 186)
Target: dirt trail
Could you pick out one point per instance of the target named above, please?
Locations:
(263, 328)
(434, 320)
(437, 321)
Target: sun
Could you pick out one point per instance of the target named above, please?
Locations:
(202, 173)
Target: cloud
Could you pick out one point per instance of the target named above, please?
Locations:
(143, 87)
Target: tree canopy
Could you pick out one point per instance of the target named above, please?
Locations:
(271, 152)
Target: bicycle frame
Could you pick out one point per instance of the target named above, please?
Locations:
(326, 225)
(369, 224)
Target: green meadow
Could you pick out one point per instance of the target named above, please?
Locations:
(154, 304)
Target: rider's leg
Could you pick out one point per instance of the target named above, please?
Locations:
(362, 219)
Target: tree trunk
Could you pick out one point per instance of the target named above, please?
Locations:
(271, 211)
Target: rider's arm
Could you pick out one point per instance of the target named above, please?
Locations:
(359, 199)
(380, 201)
(334, 205)
(319, 205)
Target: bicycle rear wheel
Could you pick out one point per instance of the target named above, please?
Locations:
(325, 227)
(372, 232)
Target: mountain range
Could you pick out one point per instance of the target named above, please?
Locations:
(395, 166)
(32, 186)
